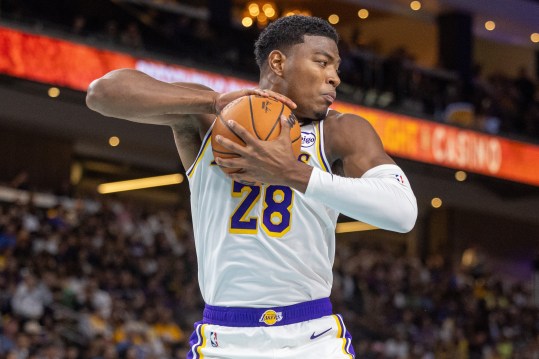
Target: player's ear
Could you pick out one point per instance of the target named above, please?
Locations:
(276, 62)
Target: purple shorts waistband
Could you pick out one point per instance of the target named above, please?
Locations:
(267, 317)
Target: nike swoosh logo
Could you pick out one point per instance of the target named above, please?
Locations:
(314, 336)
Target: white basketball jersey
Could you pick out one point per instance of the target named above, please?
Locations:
(261, 246)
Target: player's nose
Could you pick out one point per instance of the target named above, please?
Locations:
(334, 79)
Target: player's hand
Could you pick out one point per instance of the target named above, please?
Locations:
(268, 162)
(225, 98)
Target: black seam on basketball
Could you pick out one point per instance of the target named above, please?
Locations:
(231, 130)
(276, 122)
(297, 138)
(253, 119)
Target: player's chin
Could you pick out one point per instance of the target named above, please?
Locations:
(314, 113)
(320, 113)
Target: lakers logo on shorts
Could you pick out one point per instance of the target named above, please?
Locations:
(270, 317)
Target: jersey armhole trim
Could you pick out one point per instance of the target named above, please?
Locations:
(320, 148)
(200, 154)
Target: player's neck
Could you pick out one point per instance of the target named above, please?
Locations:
(270, 81)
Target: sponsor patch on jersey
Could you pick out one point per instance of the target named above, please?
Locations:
(270, 317)
(308, 139)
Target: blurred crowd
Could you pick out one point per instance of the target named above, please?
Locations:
(400, 307)
(496, 103)
(96, 280)
(109, 279)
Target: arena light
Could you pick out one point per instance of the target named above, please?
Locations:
(363, 14)
(346, 227)
(333, 19)
(53, 92)
(254, 10)
(415, 5)
(436, 202)
(140, 183)
(270, 12)
(461, 176)
(534, 37)
(262, 18)
(114, 141)
(247, 21)
(490, 25)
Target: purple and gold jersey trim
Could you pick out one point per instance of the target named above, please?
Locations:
(320, 147)
(265, 317)
(205, 142)
(345, 336)
(197, 343)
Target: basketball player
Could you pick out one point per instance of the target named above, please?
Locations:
(265, 253)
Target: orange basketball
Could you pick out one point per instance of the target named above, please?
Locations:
(261, 116)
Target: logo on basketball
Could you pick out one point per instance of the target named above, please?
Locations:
(266, 106)
(307, 139)
(270, 317)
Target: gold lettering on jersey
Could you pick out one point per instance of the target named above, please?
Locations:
(270, 317)
(304, 157)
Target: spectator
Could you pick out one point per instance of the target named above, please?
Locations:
(110, 33)
(10, 328)
(131, 36)
(167, 330)
(79, 26)
(115, 288)
(31, 297)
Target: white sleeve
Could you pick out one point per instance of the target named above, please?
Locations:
(382, 197)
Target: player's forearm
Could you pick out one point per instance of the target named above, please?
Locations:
(297, 176)
(382, 197)
(129, 94)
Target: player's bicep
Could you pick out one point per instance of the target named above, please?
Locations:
(176, 119)
(356, 165)
(165, 120)
(177, 122)
(361, 148)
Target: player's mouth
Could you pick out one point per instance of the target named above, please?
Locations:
(330, 97)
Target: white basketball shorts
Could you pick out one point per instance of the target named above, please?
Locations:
(304, 330)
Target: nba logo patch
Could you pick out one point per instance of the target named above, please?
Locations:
(213, 339)
(307, 139)
(399, 178)
(270, 317)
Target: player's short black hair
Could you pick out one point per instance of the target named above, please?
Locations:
(288, 31)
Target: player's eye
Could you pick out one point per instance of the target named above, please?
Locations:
(322, 63)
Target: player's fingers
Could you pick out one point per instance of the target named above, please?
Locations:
(228, 162)
(258, 92)
(243, 179)
(241, 132)
(230, 145)
(286, 125)
(282, 98)
(288, 102)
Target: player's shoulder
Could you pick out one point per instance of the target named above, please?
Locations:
(341, 123)
(346, 132)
